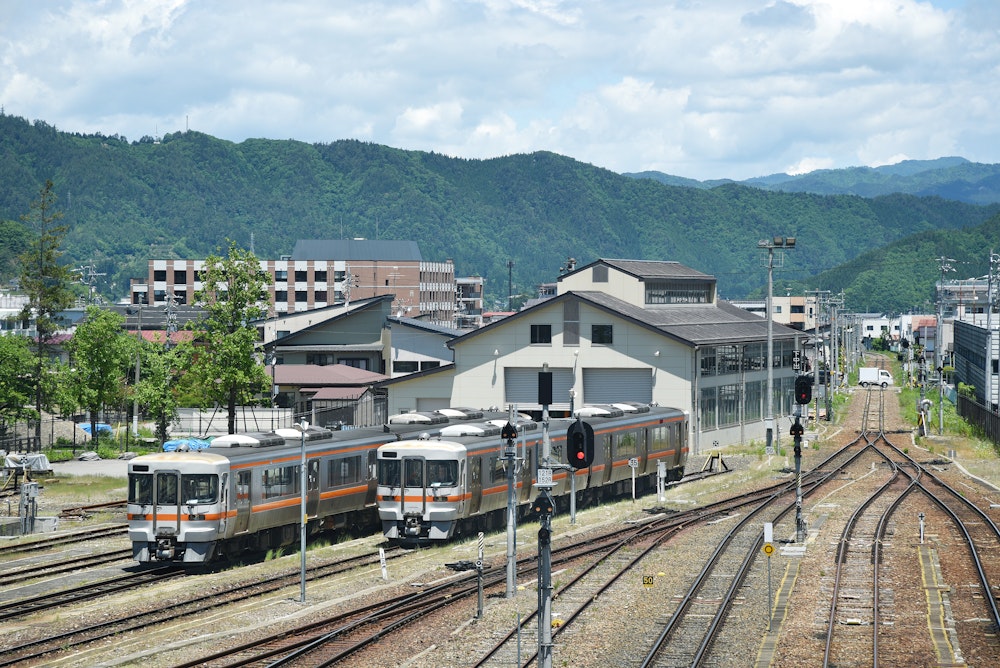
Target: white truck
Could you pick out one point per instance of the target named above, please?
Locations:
(870, 375)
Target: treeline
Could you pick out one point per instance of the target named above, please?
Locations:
(188, 193)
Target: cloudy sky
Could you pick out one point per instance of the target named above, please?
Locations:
(698, 88)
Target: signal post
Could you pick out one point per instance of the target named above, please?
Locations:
(580, 454)
(803, 395)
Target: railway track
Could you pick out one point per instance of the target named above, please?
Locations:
(33, 604)
(7, 551)
(16, 574)
(861, 606)
(30, 653)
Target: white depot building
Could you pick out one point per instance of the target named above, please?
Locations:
(624, 330)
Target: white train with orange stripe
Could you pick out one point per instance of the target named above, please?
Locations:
(243, 493)
(434, 487)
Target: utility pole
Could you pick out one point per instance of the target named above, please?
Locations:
(544, 508)
(769, 245)
(945, 264)
(509, 435)
(816, 348)
(988, 370)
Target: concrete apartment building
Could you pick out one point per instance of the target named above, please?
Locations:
(321, 273)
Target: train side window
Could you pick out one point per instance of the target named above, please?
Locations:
(499, 472)
(344, 471)
(442, 472)
(199, 488)
(140, 488)
(626, 445)
(281, 481)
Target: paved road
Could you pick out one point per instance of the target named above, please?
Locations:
(107, 467)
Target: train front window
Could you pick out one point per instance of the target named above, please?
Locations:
(388, 472)
(442, 473)
(140, 488)
(199, 488)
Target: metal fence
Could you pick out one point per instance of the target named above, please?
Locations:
(981, 416)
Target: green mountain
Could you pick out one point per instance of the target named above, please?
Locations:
(185, 195)
(950, 178)
(901, 276)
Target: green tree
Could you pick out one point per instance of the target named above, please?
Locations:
(226, 367)
(46, 282)
(15, 387)
(157, 388)
(102, 353)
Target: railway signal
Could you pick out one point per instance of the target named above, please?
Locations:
(803, 390)
(580, 445)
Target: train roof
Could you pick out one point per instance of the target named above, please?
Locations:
(471, 436)
(462, 425)
(175, 457)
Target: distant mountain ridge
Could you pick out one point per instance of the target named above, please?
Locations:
(952, 178)
(185, 195)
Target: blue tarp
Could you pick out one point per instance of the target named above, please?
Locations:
(191, 443)
(101, 428)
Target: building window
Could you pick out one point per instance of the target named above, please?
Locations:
(319, 296)
(339, 276)
(301, 276)
(160, 275)
(180, 276)
(356, 362)
(281, 274)
(301, 296)
(541, 333)
(729, 405)
(601, 334)
(405, 366)
(319, 275)
(429, 364)
(281, 295)
(571, 323)
(708, 362)
(320, 359)
(679, 292)
(600, 273)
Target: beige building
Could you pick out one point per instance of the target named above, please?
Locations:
(623, 330)
(322, 273)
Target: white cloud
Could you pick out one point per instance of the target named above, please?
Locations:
(730, 88)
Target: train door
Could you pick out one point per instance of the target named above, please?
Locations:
(167, 503)
(528, 467)
(413, 497)
(242, 501)
(604, 442)
(475, 484)
(372, 477)
(312, 488)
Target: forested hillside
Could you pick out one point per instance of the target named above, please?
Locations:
(184, 196)
(901, 276)
(951, 178)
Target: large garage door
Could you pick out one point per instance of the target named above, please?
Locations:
(605, 386)
(521, 388)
